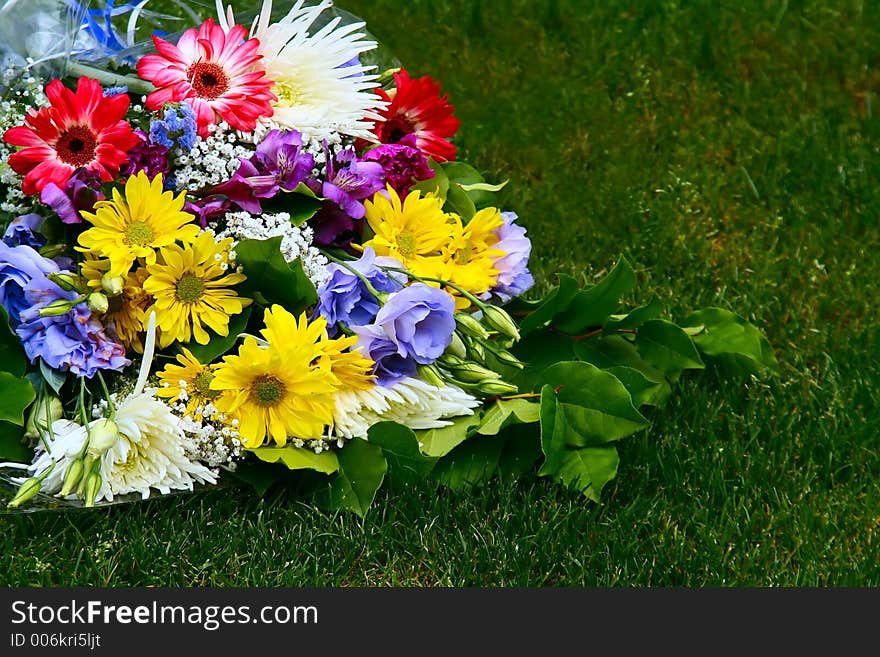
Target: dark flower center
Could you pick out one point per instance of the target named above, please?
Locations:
(267, 390)
(189, 288)
(208, 80)
(396, 129)
(76, 146)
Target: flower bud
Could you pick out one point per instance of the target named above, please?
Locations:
(98, 302)
(496, 387)
(72, 477)
(103, 434)
(93, 485)
(476, 351)
(471, 326)
(498, 319)
(506, 358)
(25, 492)
(472, 373)
(112, 285)
(43, 413)
(65, 280)
(456, 347)
(431, 375)
(57, 308)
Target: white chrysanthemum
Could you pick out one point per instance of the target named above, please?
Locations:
(411, 402)
(148, 454)
(320, 84)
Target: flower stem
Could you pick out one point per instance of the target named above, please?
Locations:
(427, 279)
(135, 85)
(372, 290)
(110, 403)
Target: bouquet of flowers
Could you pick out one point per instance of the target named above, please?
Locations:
(241, 247)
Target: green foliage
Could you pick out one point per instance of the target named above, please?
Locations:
(726, 335)
(12, 356)
(272, 280)
(18, 393)
(12, 447)
(361, 471)
(220, 344)
(407, 465)
(668, 348)
(594, 305)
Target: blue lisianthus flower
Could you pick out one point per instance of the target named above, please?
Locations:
(514, 276)
(18, 266)
(418, 321)
(177, 127)
(21, 232)
(344, 297)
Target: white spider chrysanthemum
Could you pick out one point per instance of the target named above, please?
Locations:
(411, 402)
(320, 83)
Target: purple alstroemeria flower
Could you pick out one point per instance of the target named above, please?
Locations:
(344, 297)
(514, 276)
(348, 181)
(419, 320)
(279, 164)
(209, 209)
(146, 156)
(18, 267)
(21, 232)
(80, 194)
(404, 164)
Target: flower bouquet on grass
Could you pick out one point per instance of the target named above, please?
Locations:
(240, 248)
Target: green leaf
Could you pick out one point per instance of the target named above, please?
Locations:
(668, 348)
(588, 469)
(12, 356)
(615, 351)
(438, 185)
(298, 458)
(458, 201)
(305, 190)
(439, 442)
(18, 393)
(643, 390)
(362, 469)
(406, 463)
(484, 187)
(11, 446)
(274, 279)
(219, 344)
(594, 305)
(726, 334)
(300, 206)
(470, 464)
(597, 406)
(461, 174)
(554, 303)
(634, 318)
(538, 351)
(505, 412)
(554, 432)
(54, 378)
(522, 450)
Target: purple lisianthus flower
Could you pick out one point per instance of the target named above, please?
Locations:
(344, 297)
(389, 365)
(514, 276)
(208, 209)
(19, 265)
(404, 164)
(21, 232)
(418, 320)
(279, 164)
(177, 127)
(79, 194)
(146, 156)
(348, 181)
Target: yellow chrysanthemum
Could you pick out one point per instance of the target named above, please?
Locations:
(128, 310)
(135, 224)
(284, 389)
(189, 381)
(191, 287)
(413, 230)
(469, 258)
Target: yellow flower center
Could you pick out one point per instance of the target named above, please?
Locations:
(138, 234)
(267, 390)
(202, 385)
(288, 94)
(406, 244)
(189, 288)
(463, 256)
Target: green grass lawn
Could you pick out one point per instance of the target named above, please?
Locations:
(730, 151)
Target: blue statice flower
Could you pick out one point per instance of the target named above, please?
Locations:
(109, 92)
(177, 127)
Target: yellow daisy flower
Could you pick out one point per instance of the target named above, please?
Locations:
(412, 231)
(189, 381)
(283, 389)
(128, 310)
(135, 224)
(191, 287)
(469, 258)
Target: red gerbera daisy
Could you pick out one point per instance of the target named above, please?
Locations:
(78, 129)
(416, 107)
(215, 71)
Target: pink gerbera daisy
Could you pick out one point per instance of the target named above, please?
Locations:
(215, 71)
(80, 129)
